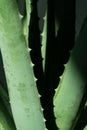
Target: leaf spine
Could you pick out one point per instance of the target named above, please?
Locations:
(44, 17)
(35, 79)
(60, 77)
(55, 90)
(20, 16)
(39, 95)
(42, 109)
(29, 49)
(32, 64)
(44, 119)
(65, 65)
(42, 34)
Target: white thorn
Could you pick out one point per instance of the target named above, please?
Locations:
(39, 95)
(32, 64)
(29, 49)
(44, 17)
(20, 16)
(44, 119)
(35, 79)
(60, 77)
(42, 109)
(42, 34)
(55, 90)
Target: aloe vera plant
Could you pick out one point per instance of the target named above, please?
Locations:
(19, 80)
(21, 105)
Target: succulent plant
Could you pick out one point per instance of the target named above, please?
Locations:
(35, 61)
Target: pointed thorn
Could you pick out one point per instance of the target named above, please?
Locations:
(42, 34)
(65, 65)
(55, 90)
(44, 17)
(35, 79)
(20, 16)
(60, 77)
(29, 49)
(44, 119)
(32, 64)
(39, 95)
(42, 109)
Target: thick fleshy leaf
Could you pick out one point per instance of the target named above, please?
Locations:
(72, 84)
(23, 94)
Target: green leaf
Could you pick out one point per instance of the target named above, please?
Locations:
(27, 20)
(5, 121)
(72, 84)
(85, 128)
(5, 98)
(44, 39)
(23, 94)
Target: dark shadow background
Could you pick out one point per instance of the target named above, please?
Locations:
(70, 15)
